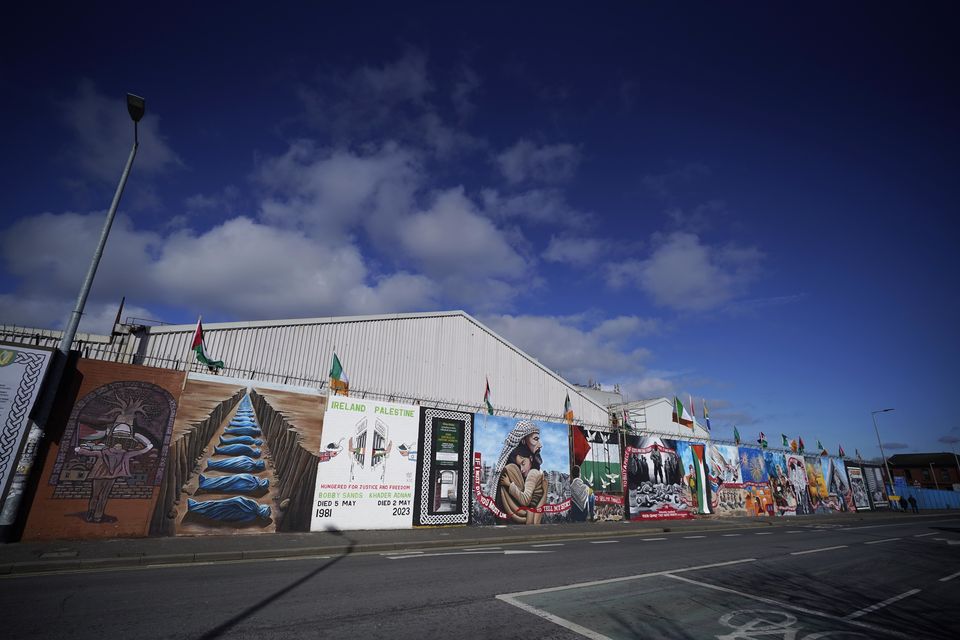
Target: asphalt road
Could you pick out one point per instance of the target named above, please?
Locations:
(893, 578)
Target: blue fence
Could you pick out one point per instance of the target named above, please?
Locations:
(931, 498)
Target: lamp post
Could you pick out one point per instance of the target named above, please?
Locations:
(873, 414)
(136, 108)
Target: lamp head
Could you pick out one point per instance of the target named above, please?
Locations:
(136, 107)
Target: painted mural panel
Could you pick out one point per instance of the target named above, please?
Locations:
(799, 485)
(820, 501)
(21, 375)
(756, 482)
(698, 491)
(654, 479)
(726, 481)
(858, 487)
(877, 491)
(102, 476)
(521, 471)
(782, 490)
(838, 484)
(368, 483)
(444, 460)
(600, 473)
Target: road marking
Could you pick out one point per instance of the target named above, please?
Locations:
(480, 548)
(638, 576)
(764, 533)
(604, 541)
(800, 553)
(650, 539)
(900, 524)
(880, 605)
(789, 606)
(950, 577)
(398, 553)
(882, 541)
(552, 544)
(546, 615)
(796, 531)
(692, 537)
(506, 552)
(924, 535)
(731, 535)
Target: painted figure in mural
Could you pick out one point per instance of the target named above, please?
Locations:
(521, 485)
(111, 463)
(657, 466)
(582, 498)
(691, 481)
(798, 483)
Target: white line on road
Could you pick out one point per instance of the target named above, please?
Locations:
(692, 537)
(880, 605)
(650, 539)
(546, 615)
(924, 535)
(900, 524)
(552, 544)
(507, 552)
(480, 548)
(604, 541)
(399, 553)
(731, 535)
(796, 531)
(882, 541)
(800, 553)
(789, 606)
(950, 577)
(764, 533)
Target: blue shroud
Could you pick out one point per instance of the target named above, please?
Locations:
(236, 450)
(241, 440)
(239, 483)
(236, 509)
(243, 422)
(243, 431)
(239, 464)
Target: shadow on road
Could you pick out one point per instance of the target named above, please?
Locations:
(225, 626)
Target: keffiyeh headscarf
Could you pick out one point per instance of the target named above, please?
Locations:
(522, 429)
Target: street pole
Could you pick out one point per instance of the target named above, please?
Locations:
(136, 107)
(934, 474)
(886, 464)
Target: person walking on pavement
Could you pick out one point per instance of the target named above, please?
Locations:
(903, 504)
(913, 505)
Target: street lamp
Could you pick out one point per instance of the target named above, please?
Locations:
(873, 414)
(136, 107)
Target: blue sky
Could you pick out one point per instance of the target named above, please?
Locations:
(752, 204)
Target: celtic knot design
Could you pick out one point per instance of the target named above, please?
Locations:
(13, 426)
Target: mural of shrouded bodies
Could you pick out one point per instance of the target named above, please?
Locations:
(726, 482)
(858, 488)
(521, 471)
(756, 482)
(101, 478)
(654, 479)
(697, 488)
(600, 471)
(782, 490)
(365, 477)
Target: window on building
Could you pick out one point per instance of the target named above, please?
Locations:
(907, 475)
(926, 475)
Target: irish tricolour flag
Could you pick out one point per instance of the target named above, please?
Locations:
(198, 348)
(339, 382)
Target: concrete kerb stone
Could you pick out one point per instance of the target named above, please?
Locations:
(44, 565)
(164, 558)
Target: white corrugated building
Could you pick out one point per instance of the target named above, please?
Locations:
(439, 358)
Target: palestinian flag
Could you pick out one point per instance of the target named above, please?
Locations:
(680, 414)
(736, 435)
(580, 446)
(840, 452)
(567, 409)
(784, 440)
(699, 474)
(762, 440)
(486, 398)
(198, 348)
(339, 382)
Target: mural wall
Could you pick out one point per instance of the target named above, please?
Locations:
(877, 492)
(698, 490)
(521, 471)
(726, 482)
(600, 472)
(782, 489)
(105, 468)
(797, 476)
(652, 472)
(858, 488)
(757, 485)
(444, 458)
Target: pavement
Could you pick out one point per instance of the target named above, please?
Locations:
(72, 555)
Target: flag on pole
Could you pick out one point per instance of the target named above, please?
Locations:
(823, 450)
(680, 414)
(626, 419)
(786, 441)
(568, 410)
(800, 446)
(580, 445)
(840, 451)
(762, 440)
(486, 398)
(693, 411)
(793, 446)
(198, 347)
(706, 414)
(736, 435)
(857, 451)
(339, 382)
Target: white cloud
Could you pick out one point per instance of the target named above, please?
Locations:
(526, 161)
(534, 206)
(684, 274)
(103, 134)
(466, 85)
(576, 351)
(577, 251)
